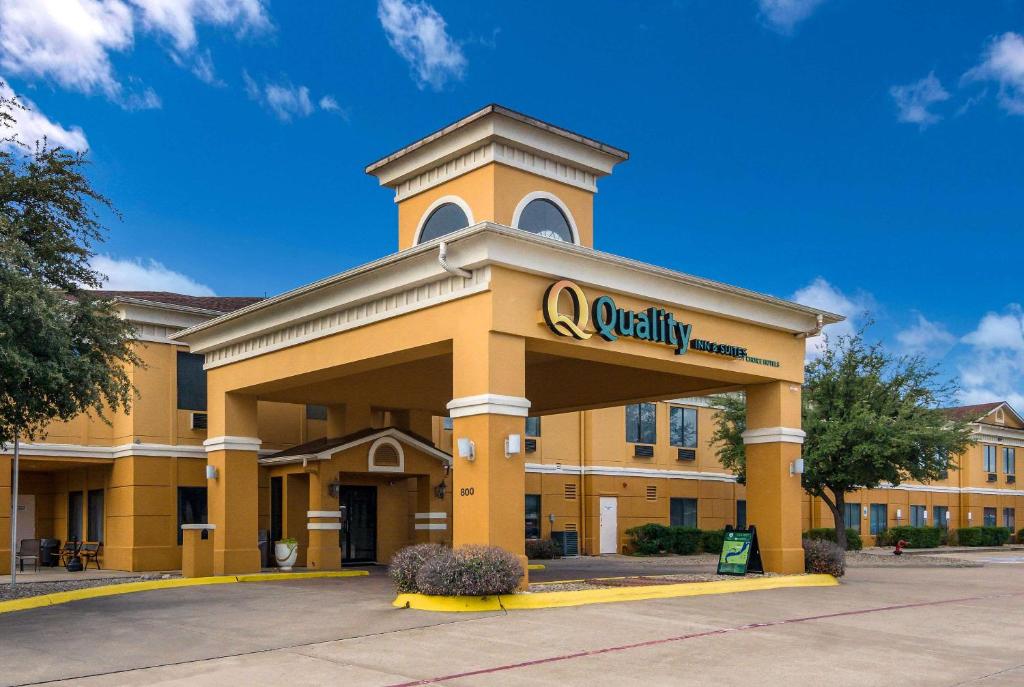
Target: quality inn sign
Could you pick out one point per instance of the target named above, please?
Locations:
(611, 322)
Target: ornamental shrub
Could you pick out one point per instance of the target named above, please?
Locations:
(824, 556)
(684, 541)
(1020, 536)
(542, 549)
(470, 571)
(982, 536)
(649, 540)
(916, 537)
(711, 540)
(853, 538)
(406, 564)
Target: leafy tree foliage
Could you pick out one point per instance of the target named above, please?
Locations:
(870, 418)
(63, 350)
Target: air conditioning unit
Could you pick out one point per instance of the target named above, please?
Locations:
(531, 445)
(991, 477)
(643, 451)
(687, 454)
(1010, 479)
(198, 420)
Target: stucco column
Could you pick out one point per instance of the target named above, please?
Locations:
(772, 442)
(233, 494)
(489, 385)
(5, 514)
(324, 552)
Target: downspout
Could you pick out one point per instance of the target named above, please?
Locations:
(819, 324)
(442, 259)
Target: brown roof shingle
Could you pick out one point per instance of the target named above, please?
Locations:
(972, 413)
(216, 303)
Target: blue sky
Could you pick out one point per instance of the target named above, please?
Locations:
(858, 156)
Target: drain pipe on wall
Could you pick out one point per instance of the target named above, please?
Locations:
(818, 326)
(442, 259)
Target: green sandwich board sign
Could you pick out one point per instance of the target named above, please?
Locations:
(740, 552)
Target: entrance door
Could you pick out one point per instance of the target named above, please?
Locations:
(358, 535)
(609, 524)
(26, 517)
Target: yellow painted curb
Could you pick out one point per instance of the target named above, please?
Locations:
(536, 600)
(150, 585)
(535, 566)
(273, 577)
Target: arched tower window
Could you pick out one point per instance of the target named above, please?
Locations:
(444, 219)
(544, 217)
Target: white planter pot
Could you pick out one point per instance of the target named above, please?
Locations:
(285, 555)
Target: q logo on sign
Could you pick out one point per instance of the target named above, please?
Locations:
(566, 325)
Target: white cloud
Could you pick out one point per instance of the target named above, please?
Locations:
(1003, 62)
(993, 369)
(914, 99)
(821, 294)
(134, 274)
(287, 101)
(784, 15)
(31, 125)
(419, 34)
(71, 42)
(926, 337)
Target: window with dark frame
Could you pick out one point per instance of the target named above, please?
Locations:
(641, 423)
(939, 516)
(851, 511)
(1010, 518)
(989, 458)
(74, 524)
(533, 516)
(1009, 460)
(989, 517)
(316, 412)
(683, 512)
(533, 426)
(444, 219)
(879, 517)
(918, 516)
(682, 427)
(191, 381)
(191, 507)
(94, 521)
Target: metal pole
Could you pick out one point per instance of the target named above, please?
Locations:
(14, 512)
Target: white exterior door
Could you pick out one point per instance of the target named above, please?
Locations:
(609, 524)
(26, 517)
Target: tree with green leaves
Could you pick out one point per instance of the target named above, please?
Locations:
(63, 350)
(870, 418)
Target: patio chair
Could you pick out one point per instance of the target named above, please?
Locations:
(28, 550)
(67, 552)
(90, 551)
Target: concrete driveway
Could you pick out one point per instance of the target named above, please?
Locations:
(882, 626)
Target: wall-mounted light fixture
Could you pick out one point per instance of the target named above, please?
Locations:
(441, 489)
(467, 449)
(211, 472)
(551, 518)
(513, 445)
(865, 511)
(797, 467)
(334, 489)
(970, 516)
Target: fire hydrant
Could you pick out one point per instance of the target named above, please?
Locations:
(900, 545)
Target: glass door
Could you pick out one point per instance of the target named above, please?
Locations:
(358, 535)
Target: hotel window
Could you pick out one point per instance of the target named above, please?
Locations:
(1009, 518)
(74, 528)
(541, 216)
(445, 219)
(191, 507)
(191, 382)
(683, 512)
(533, 516)
(94, 524)
(447, 423)
(641, 425)
(918, 516)
(989, 453)
(1009, 461)
(682, 427)
(989, 517)
(533, 426)
(879, 517)
(741, 514)
(939, 517)
(315, 412)
(851, 513)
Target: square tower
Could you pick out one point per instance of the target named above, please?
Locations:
(500, 166)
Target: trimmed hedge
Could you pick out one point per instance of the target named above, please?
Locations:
(916, 537)
(470, 571)
(853, 538)
(652, 539)
(982, 536)
(406, 564)
(542, 549)
(1020, 536)
(824, 556)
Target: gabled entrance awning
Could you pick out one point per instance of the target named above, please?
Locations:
(324, 449)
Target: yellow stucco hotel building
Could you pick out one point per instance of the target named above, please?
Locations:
(496, 378)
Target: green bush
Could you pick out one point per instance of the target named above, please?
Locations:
(853, 539)
(711, 540)
(684, 541)
(982, 536)
(470, 571)
(1020, 536)
(824, 556)
(542, 549)
(916, 537)
(649, 540)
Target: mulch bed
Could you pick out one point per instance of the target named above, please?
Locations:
(24, 590)
(634, 581)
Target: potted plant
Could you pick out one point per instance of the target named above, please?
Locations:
(285, 552)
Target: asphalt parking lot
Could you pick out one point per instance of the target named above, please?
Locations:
(882, 626)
